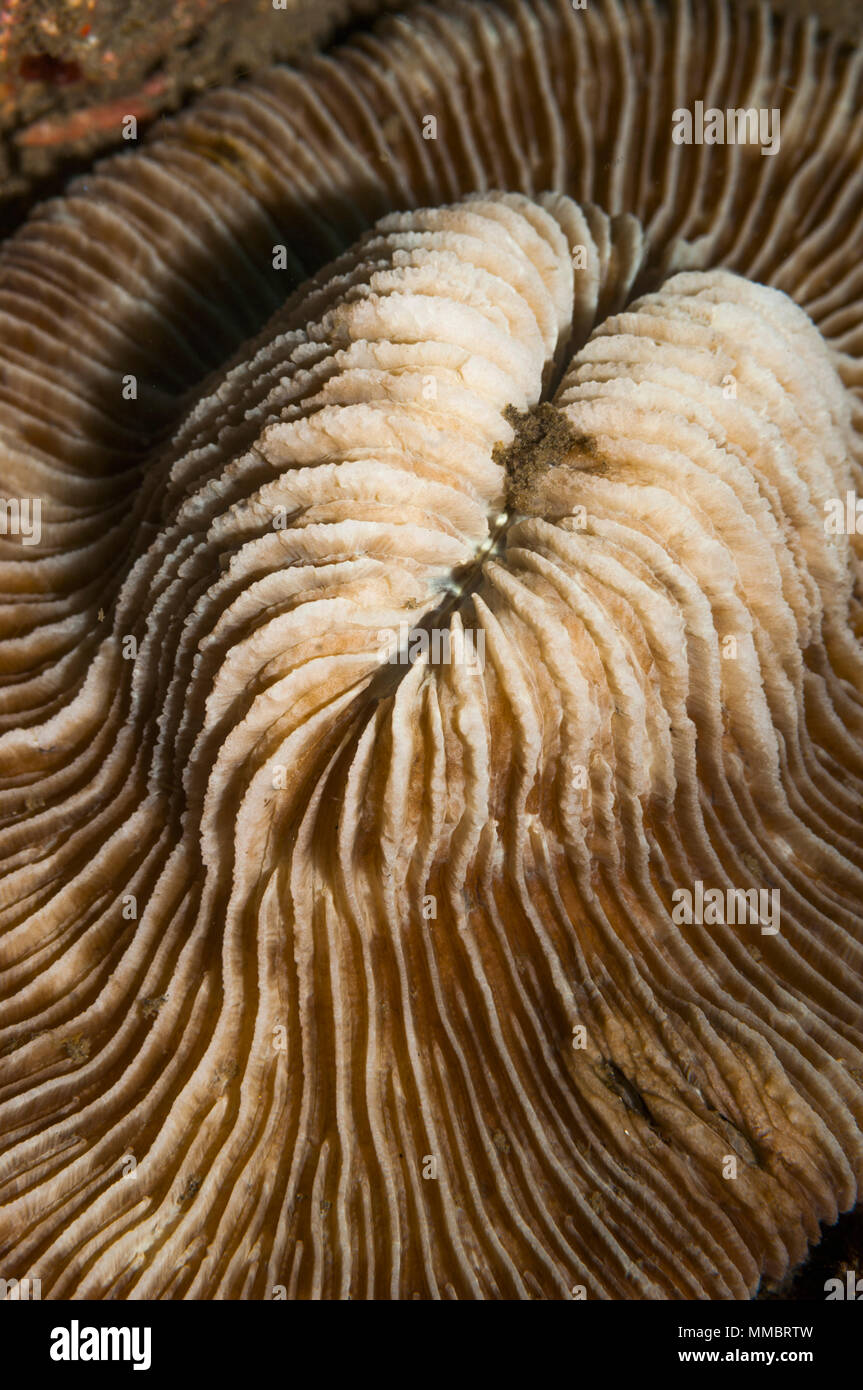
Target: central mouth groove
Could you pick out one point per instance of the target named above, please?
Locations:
(464, 582)
(544, 438)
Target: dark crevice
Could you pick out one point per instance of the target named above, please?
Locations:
(620, 1085)
(466, 579)
(544, 438)
(752, 1154)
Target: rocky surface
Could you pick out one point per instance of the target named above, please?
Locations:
(71, 70)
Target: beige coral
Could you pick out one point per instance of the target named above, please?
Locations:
(371, 966)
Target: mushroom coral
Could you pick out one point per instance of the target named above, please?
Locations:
(342, 960)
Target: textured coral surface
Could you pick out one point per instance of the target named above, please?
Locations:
(368, 968)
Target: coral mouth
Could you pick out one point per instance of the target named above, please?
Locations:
(544, 438)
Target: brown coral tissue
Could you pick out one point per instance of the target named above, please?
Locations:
(431, 682)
